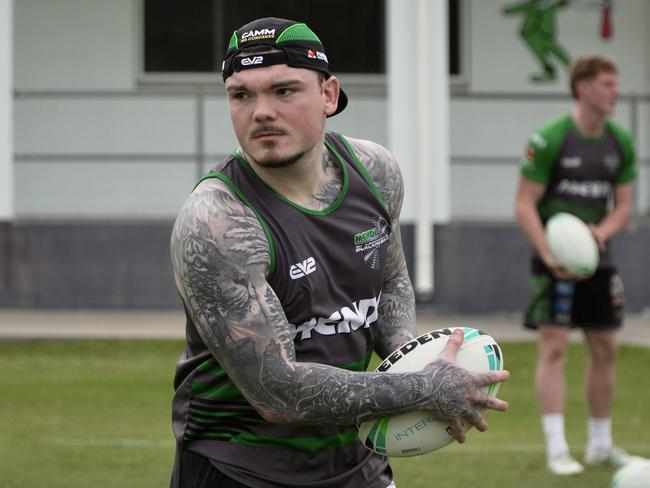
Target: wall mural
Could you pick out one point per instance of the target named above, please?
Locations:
(540, 34)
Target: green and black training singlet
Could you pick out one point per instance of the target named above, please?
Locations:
(327, 271)
(579, 173)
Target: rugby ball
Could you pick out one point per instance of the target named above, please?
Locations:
(635, 474)
(572, 244)
(415, 433)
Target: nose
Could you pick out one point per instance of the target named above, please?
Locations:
(264, 109)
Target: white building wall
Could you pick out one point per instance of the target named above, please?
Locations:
(6, 113)
(643, 155)
(75, 44)
(501, 61)
(90, 141)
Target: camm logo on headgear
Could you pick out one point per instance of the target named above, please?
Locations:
(258, 34)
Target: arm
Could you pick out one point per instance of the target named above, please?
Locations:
(518, 7)
(529, 193)
(617, 219)
(397, 321)
(220, 257)
(396, 324)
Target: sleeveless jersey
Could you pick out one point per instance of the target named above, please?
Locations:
(327, 271)
(579, 173)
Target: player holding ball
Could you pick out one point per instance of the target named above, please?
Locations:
(581, 163)
(289, 261)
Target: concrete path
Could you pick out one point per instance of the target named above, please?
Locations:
(23, 324)
(507, 326)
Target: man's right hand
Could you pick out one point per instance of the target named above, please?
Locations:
(459, 397)
(559, 271)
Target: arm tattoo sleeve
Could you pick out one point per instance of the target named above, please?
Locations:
(397, 306)
(220, 257)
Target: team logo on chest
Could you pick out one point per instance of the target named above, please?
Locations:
(369, 242)
(612, 162)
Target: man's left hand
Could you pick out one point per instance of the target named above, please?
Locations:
(598, 234)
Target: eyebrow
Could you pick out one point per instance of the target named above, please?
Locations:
(273, 86)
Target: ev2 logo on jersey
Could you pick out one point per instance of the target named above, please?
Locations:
(303, 268)
(251, 61)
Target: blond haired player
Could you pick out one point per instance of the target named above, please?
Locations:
(581, 163)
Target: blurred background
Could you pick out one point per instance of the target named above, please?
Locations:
(111, 110)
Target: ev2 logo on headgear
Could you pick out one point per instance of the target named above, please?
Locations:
(303, 268)
(252, 61)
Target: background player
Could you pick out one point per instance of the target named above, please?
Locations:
(579, 163)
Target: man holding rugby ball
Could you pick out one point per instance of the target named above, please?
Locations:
(289, 262)
(581, 163)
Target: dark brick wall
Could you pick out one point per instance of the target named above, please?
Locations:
(485, 267)
(478, 267)
(101, 265)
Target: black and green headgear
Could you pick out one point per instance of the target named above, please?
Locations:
(298, 47)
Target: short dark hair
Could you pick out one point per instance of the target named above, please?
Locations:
(588, 67)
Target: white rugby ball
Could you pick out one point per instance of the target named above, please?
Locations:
(635, 474)
(415, 433)
(572, 244)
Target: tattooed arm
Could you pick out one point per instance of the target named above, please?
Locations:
(397, 307)
(220, 257)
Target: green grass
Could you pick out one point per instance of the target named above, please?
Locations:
(97, 413)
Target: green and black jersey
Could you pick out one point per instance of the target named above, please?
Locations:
(327, 270)
(579, 173)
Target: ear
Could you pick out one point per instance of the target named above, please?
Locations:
(582, 87)
(331, 87)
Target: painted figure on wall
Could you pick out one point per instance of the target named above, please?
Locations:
(539, 33)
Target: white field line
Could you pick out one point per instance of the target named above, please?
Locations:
(106, 442)
(533, 448)
(467, 448)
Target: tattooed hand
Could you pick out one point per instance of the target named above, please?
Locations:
(458, 396)
(453, 394)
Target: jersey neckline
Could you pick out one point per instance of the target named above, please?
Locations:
(586, 138)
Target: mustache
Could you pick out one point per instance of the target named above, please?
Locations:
(262, 129)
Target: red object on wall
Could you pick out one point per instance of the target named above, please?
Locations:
(606, 26)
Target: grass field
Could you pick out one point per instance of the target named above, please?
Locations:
(97, 414)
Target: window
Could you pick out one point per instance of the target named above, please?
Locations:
(455, 43)
(192, 36)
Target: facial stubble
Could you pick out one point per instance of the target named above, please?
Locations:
(271, 162)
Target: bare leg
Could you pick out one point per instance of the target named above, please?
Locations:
(550, 385)
(549, 375)
(603, 348)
